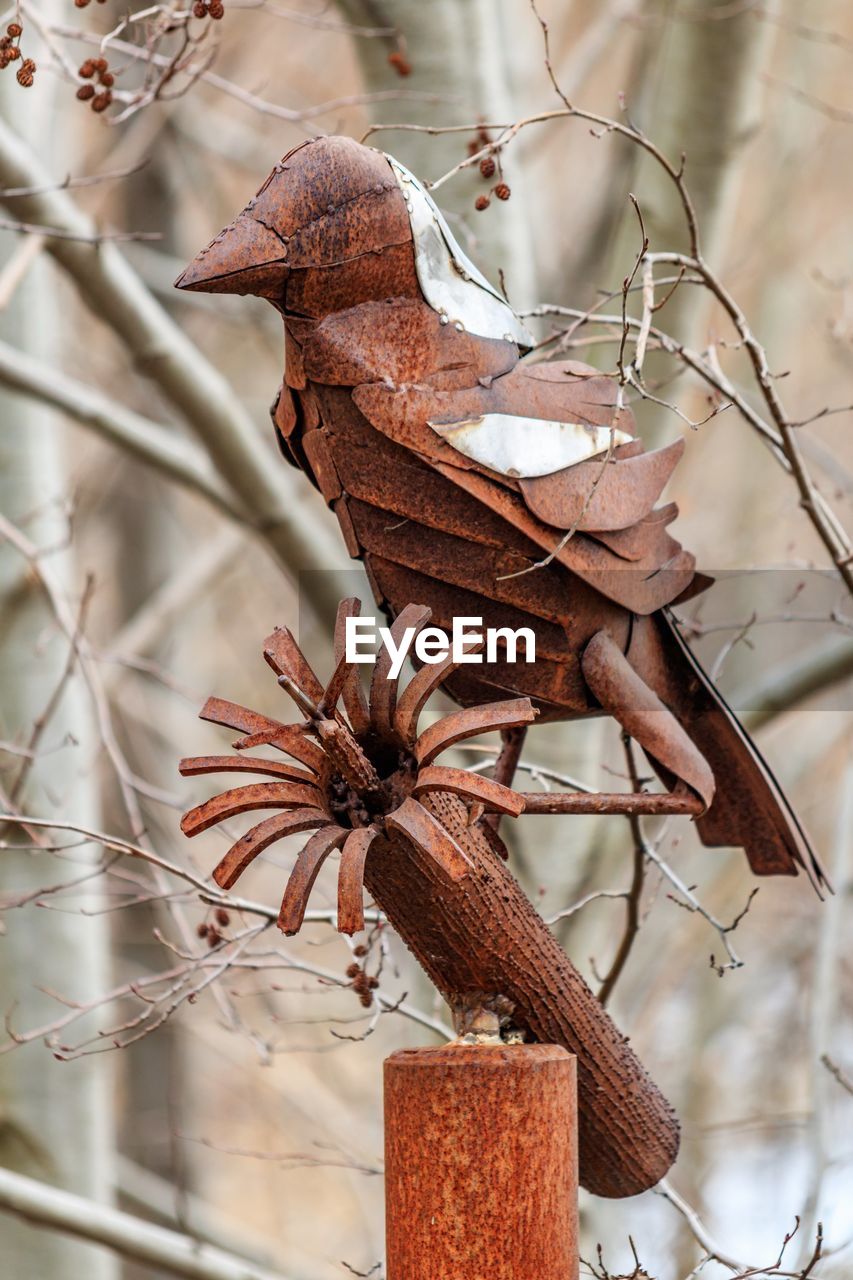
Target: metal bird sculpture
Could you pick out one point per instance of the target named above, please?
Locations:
(480, 483)
(472, 482)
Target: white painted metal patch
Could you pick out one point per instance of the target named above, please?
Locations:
(450, 282)
(527, 447)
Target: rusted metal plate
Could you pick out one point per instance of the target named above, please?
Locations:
(602, 495)
(247, 257)
(449, 280)
(513, 445)
(318, 291)
(646, 538)
(284, 411)
(556, 680)
(341, 510)
(641, 587)
(481, 1163)
(750, 808)
(294, 366)
(319, 455)
(506, 577)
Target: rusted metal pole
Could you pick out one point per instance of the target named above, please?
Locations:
(481, 1163)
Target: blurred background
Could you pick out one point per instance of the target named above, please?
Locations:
(195, 1070)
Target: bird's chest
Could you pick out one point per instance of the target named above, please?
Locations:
(423, 539)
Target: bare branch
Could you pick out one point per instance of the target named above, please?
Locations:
(155, 445)
(175, 1254)
(110, 287)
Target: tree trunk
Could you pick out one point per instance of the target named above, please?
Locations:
(56, 1119)
(461, 51)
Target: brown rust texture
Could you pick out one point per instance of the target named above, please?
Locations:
(481, 934)
(481, 1163)
(374, 373)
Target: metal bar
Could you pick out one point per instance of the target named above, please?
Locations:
(627, 802)
(481, 1163)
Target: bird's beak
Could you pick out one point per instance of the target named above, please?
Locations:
(246, 257)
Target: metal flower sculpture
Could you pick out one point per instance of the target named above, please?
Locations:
(358, 776)
(416, 834)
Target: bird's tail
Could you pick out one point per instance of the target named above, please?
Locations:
(749, 809)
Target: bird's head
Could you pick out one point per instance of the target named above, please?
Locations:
(328, 229)
(338, 223)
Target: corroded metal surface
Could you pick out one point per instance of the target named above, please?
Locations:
(394, 341)
(481, 1163)
(415, 834)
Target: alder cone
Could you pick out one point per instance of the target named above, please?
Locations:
(482, 934)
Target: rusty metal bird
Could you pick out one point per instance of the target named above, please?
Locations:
(473, 479)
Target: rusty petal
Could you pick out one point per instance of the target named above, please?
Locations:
(491, 795)
(302, 877)
(420, 688)
(352, 693)
(351, 879)
(193, 766)
(626, 697)
(333, 690)
(261, 795)
(469, 723)
(260, 731)
(260, 837)
(282, 653)
(424, 830)
(383, 691)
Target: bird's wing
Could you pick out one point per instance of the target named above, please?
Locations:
(544, 447)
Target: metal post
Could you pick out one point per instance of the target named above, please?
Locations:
(481, 1163)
